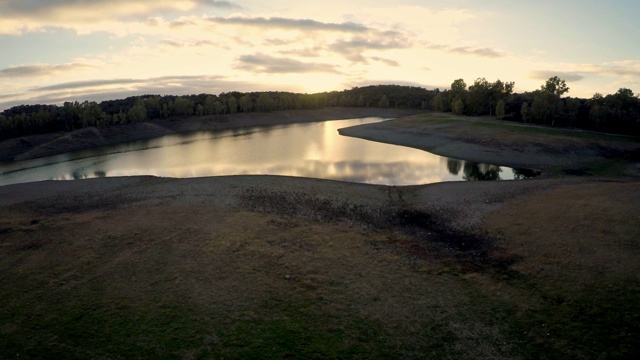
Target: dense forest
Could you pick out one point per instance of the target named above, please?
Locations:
(616, 113)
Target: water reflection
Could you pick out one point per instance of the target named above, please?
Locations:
(309, 150)
(481, 172)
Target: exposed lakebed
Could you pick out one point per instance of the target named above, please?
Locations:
(309, 150)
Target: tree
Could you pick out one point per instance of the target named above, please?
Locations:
(209, 105)
(438, 103)
(232, 104)
(524, 112)
(499, 91)
(500, 110)
(555, 86)
(245, 103)
(384, 102)
(265, 103)
(483, 96)
(218, 108)
(458, 106)
(183, 106)
(625, 92)
(478, 99)
(138, 112)
(458, 92)
(154, 110)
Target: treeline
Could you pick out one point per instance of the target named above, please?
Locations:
(619, 112)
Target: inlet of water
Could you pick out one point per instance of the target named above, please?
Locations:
(310, 150)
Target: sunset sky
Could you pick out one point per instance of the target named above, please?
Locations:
(64, 50)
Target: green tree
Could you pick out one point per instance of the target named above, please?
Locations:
(478, 98)
(245, 103)
(524, 112)
(209, 105)
(384, 102)
(232, 104)
(154, 110)
(218, 108)
(458, 106)
(183, 106)
(625, 92)
(500, 110)
(458, 92)
(438, 103)
(265, 103)
(555, 86)
(138, 112)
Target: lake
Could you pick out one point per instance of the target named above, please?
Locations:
(310, 150)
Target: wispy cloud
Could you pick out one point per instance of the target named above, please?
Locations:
(19, 16)
(627, 69)
(132, 7)
(546, 74)
(108, 89)
(285, 23)
(353, 49)
(261, 63)
(85, 84)
(388, 62)
(40, 70)
(190, 43)
(468, 50)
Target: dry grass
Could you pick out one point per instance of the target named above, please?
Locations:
(285, 273)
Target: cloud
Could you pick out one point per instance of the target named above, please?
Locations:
(191, 43)
(85, 84)
(181, 23)
(546, 74)
(621, 69)
(109, 89)
(261, 63)
(291, 24)
(18, 16)
(352, 49)
(388, 62)
(171, 43)
(30, 8)
(220, 4)
(364, 82)
(484, 52)
(626, 68)
(306, 52)
(468, 50)
(40, 70)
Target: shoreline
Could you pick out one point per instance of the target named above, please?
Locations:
(552, 151)
(323, 251)
(42, 145)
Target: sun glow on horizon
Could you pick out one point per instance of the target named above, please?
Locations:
(222, 46)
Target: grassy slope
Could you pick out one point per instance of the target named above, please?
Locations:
(585, 152)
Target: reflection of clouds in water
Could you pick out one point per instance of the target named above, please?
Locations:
(398, 173)
(310, 150)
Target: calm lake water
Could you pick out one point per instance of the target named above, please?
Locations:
(310, 150)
